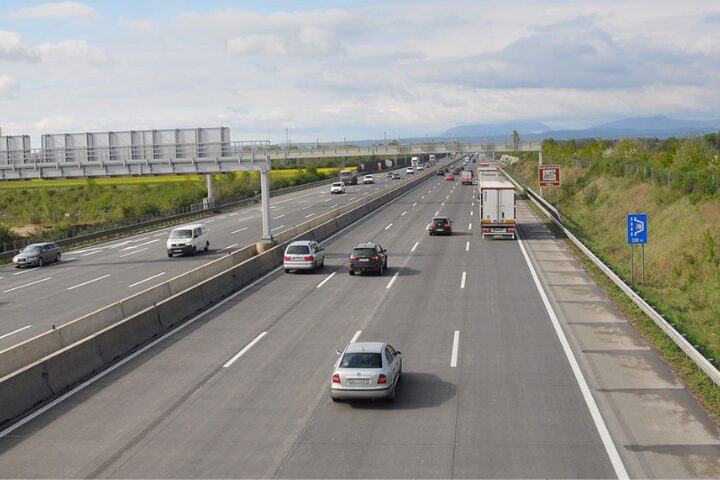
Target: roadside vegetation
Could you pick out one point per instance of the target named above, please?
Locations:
(675, 182)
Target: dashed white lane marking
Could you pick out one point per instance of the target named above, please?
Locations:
(467, 246)
(471, 213)
(324, 281)
(366, 193)
(213, 219)
(244, 350)
(146, 280)
(422, 198)
(160, 234)
(437, 213)
(455, 348)
(243, 219)
(68, 259)
(21, 272)
(470, 226)
(309, 215)
(27, 285)
(392, 280)
(15, 331)
(88, 282)
(276, 228)
(333, 206)
(607, 440)
(90, 253)
(279, 216)
(462, 280)
(138, 245)
(414, 204)
(134, 252)
(356, 336)
(386, 228)
(447, 198)
(442, 204)
(240, 230)
(473, 204)
(228, 247)
(305, 208)
(414, 246)
(403, 213)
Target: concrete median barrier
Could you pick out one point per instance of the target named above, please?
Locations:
(52, 363)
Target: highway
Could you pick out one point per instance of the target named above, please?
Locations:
(491, 387)
(34, 299)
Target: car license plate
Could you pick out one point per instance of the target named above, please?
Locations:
(438, 229)
(358, 381)
(364, 259)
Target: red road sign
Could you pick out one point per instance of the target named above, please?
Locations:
(549, 175)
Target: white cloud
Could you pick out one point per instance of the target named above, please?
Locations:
(74, 51)
(54, 10)
(136, 25)
(8, 85)
(13, 48)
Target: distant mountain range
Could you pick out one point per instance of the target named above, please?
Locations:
(659, 126)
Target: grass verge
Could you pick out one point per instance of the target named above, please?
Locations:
(689, 374)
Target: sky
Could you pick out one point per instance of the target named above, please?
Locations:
(333, 70)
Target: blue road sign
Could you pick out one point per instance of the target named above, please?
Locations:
(637, 227)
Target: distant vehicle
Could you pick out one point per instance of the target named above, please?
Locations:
(337, 187)
(368, 257)
(410, 170)
(389, 174)
(303, 255)
(349, 177)
(37, 255)
(188, 240)
(440, 173)
(440, 226)
(432, 159)
(483, 164)
(420, 168)
(396, 176)
(497, 208)
(415, 161)
(450, 177)
(466, 177)
(366, 370)
(457, 170)
(368, 179)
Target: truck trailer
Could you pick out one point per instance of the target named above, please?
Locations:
(497, 208)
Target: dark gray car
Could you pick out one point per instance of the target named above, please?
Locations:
(37, 255)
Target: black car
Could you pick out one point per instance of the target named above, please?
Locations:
(440, 173)
(440, 226)
(396, 176)
(368, 257)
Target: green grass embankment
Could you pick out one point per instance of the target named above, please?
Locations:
(682, 257)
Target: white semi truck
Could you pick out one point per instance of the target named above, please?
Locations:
(497, 208)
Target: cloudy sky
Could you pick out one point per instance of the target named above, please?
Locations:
(352, 69)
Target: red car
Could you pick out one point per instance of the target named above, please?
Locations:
(450, 178)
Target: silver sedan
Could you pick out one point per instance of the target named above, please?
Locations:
(366, 370)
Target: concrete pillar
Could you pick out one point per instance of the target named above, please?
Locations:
(265, 199)
(210, 193)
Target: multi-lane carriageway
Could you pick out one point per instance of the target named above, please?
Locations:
(515, 365)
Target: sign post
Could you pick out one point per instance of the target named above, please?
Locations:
(548, 176)
(637, 228)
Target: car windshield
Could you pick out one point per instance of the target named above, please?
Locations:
(298, 250)
(337, 184)
(364, 252)
(181, 234)
(361, 360)
(32, 249)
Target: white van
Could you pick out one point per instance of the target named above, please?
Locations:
(188, 239)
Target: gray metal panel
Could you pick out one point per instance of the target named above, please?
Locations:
(15, 149)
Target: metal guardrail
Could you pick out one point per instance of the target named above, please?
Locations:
(697, 357)
(109, 232)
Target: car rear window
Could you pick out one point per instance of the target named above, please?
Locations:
(298, 250)
(440, 220)
(364, 252)
(361, 360)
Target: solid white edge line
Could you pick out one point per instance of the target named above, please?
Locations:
(414, 246)
(356, 336)
(85, 283)
(152, 344)
(26, 285)
(146, 280)
(323, 282)
(602, 429)
(455, 348)
(244, 350)
(392, 280)
(462, 281)
(15, 331)
(228, 247)
(309, 215)
(276, 228)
